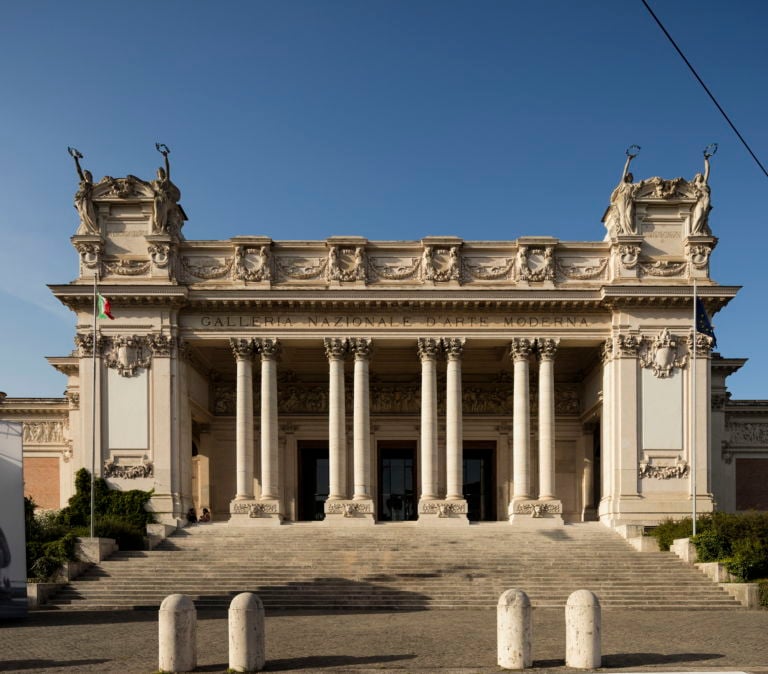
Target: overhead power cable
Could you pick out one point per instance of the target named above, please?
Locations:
(709, 93)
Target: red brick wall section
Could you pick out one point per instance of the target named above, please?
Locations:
(751, 484)
(41, 481)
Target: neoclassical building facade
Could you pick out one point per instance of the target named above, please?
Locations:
(439, 381)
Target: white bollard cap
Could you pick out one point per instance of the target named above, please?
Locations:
(246, 601)
(583, 598)
(177, 602)
(514, 597)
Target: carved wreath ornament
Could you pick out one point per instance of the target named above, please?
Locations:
(663, 354)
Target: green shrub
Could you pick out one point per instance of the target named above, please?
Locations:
(669, 530)
(128, 535)
(711, 545)
(749, 559)
(762, 587)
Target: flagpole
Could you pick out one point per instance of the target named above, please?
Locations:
(93, 401)
(693, 413)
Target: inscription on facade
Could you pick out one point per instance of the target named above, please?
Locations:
(393, 321)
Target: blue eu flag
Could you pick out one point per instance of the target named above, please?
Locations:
(703, 324)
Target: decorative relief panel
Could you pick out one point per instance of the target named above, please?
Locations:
(393, 268)
(253, 264)
(301, 268)
(128, 267)
(443, 508)
(348, 508)
(43, 432)
(663, 354)
(581, 269)
(440, 263)
(538, 509)
(129, 471)
(253, 509)
(748, 434)
(90, 253)
(346, 263)
(535, 264)
(127, 354)
(492, 270)
(664, 469)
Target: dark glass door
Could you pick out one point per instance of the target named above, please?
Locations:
(313, 481)
(479, 483)
(397, 480)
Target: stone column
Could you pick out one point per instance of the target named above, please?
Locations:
(547, 349)
(521, 423)
(336, 350)
(270, 488)
(243, 350)
(453, 420)
(428, 349)
(361, 424)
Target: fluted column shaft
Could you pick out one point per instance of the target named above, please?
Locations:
(243, 351)
(428, 349)
(270, 489)
(521, 421)
(335, 350)
(361, 420)
(453, 420)
(547, 349)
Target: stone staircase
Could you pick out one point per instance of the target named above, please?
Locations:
(392, 567)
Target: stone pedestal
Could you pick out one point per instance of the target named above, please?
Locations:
(251, 512)
(536, 514)
(345, 512)
(443, 512)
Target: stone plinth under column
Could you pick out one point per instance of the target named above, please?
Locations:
(443, 512)
(347, 512)
(248, 513)
(534, 514)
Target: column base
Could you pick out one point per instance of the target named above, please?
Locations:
(535, 514)
(345, 512)
(253, 512)
(441, 512)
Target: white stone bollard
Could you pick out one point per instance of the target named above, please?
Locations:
(513, 628)
(178, 634)
(246, 633)
(582, 630)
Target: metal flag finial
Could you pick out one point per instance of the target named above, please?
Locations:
(74, 153)
(632, 151)
(710, 150)
(163, 149)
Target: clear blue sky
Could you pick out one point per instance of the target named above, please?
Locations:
(389, 119)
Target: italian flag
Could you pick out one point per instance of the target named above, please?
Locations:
(105, 309)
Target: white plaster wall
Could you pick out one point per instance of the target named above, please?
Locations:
(127, 410)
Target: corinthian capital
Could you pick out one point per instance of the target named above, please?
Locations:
(361, 347)
(428, 348)
(268, 348)
(547, 348)
(520, 349)
(335, 347)
(453, 347)
(242, 348)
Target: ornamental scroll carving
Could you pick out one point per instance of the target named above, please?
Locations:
(43, 432)
(536, 264)
(159, 254)
(90, 253)
(490, 272)
(84, 344)
(665, 353)
(538, 509)
(302, 268)
(662, 268)
(393, 269)
(161, 345)
(127, 354)
(590, 269)
(704, 343)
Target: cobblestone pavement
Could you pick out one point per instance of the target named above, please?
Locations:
(453, 642)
